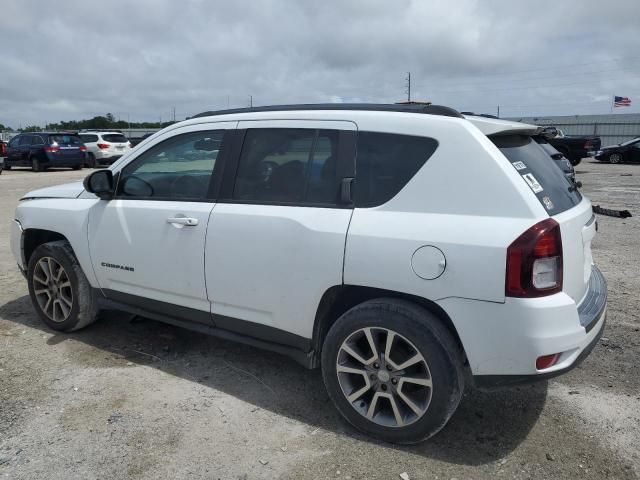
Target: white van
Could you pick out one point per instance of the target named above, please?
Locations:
(409, 251)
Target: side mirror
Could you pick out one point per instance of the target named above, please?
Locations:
(100, 183)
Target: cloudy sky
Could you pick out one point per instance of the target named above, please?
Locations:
(73, 59)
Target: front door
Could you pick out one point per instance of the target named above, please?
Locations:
(147, 245)
(276, 238)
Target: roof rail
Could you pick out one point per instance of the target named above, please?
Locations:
(372, 107)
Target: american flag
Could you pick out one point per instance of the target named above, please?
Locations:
(621, 101)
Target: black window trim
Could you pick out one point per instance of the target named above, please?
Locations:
(345, 167)
(214, 182)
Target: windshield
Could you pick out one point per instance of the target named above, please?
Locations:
(630, 142)
(537, 169)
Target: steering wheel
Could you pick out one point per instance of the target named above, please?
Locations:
(187, 186)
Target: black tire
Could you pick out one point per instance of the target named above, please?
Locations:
(77, 167)
(83, 310)
(7, 167)
(91, 160)
(36, 166)
(430, 338)
(615, 158)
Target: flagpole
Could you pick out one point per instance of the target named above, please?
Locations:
(613, 100)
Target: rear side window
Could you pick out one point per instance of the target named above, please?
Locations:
(65, 139)
(25, 140)
(89, 138)
(114, 138)
(385, 163)
(537, 169)
(288, 165)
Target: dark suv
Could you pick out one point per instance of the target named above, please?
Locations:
(42, 150)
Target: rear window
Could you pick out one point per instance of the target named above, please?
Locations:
(114, 138)
(65, 139)
(537, 169)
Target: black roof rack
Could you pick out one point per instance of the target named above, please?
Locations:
(373, 107)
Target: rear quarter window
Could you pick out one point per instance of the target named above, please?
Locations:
(385, 163)
(542, 177)
(65, 139)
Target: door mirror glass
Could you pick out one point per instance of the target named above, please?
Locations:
(136, 187)
(100, 183)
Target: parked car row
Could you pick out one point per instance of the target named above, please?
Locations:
(42, 150)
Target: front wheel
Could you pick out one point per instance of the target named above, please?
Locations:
(35, 165)
(393, 370)
(615, 158)
(91, 160)
(59, 290)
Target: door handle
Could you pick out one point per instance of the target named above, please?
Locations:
(183, 221)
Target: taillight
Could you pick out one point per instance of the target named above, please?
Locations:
(130, 145)
(588, 145)
(102, 146)
(52, 148)
(534, 262)
(83, 148)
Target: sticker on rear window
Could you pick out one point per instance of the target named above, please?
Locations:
(519, 165)
(532, 182)
(547, 203)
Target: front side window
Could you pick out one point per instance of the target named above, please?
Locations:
(25, 140)
(385, 163)
(288, 165)
(178, 168)
(14, 142)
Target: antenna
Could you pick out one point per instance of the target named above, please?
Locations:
(408, 86)
(250, 101)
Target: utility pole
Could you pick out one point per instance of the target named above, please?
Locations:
(227, 102)
(250, 101)
(498, 111)
(174, 114)
(408, 86)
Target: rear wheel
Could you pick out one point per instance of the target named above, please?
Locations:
(7, 167)
(393, 370)
(59, 290)
(77, 167)
(615, 158)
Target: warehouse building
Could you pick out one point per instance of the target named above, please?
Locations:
(612, 129)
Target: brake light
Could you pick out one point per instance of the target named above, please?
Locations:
(534, 262)
(52, 148)
(588, 144)
(83, 148)
(102, 146)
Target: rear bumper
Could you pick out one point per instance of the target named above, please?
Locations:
(505, 339)
(54, 161)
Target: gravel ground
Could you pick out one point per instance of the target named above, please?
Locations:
(131, 398)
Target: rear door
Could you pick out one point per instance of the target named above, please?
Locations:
(562, 201)
(24, 149)
(276, 238)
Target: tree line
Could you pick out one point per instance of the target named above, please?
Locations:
(107, 121)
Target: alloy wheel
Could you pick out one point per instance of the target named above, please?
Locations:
(615, 158)
(384, 377)
(52, 289)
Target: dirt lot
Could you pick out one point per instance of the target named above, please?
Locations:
(138, 399)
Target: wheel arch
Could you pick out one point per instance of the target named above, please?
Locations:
(340, 298)
(32, 238)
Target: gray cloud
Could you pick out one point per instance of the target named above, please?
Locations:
(75, 59)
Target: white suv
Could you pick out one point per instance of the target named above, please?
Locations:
(104, 147)
(407, 250)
